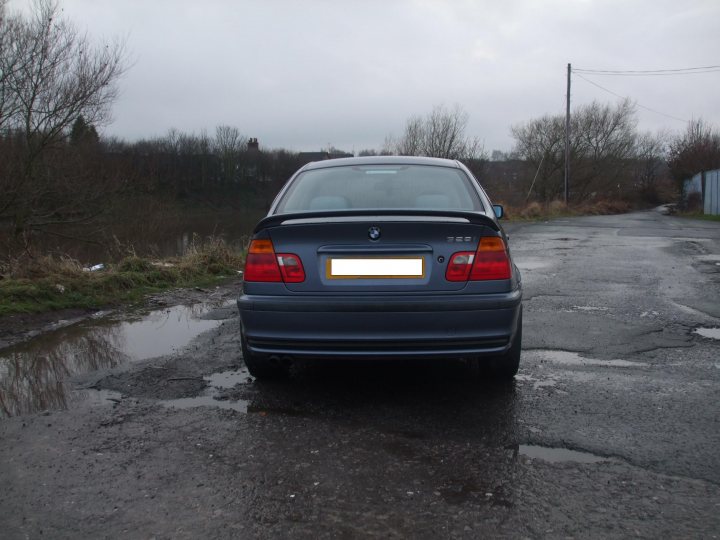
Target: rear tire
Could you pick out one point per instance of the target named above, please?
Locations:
(502, 367)
(505, 366)
(262, 367)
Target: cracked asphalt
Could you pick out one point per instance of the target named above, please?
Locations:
(611, 429)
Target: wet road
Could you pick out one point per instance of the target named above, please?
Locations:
(611, 428)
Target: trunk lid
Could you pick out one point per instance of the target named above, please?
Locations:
(340, 253)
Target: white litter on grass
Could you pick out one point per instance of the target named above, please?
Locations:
(568, 358)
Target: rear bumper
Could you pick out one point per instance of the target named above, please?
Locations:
(429, 326)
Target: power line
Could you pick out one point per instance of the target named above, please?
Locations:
(651, 72)
(626, 97)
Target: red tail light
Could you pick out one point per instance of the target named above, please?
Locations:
(458, 268)
(490, 261)
(291, 268)
(262, 264)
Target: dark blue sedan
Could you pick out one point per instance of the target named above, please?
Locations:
(381, 257)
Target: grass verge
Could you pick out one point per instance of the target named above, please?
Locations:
(45, 283)
(697, 215)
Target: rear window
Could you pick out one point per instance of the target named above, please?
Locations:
(374, 187)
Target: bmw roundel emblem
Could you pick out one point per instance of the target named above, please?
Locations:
(374, 233)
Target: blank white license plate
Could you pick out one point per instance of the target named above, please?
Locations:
(375, 267)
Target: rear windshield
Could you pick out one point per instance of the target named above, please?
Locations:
(374, 187)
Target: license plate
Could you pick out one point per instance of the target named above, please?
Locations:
(375, 267)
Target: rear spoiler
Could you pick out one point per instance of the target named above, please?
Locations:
(332, 215)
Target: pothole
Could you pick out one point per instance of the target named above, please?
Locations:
(559, 455)
(211, 396)
(568, 358)
(711, 333)
(34, 375)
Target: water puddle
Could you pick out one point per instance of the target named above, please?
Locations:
(537, 383)
(590, 308)
(531, 264)
(210, 398)
(711, 333)
(558, 455)
(568, 358)
(34, 375)
(206, 401)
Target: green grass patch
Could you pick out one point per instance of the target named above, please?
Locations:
(42, 283)
(698, 215)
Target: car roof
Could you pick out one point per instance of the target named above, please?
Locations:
(381, 160)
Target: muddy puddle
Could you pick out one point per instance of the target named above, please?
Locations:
(34, 376)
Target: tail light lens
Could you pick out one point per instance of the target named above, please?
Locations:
(459, 267)
(291, 268)
(490, 261)
(262, 264)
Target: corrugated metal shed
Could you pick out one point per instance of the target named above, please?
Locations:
(711, 193)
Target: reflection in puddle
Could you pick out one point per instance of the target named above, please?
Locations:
(33, 375)
(574, 359)
(216, 381)
(558, 455)
(712, 333)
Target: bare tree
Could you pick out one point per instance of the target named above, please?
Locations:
(51, 75)
(695, 150)
(439, 134)
(602, 143)
(651, 168)
(229, 145)
(540, 143)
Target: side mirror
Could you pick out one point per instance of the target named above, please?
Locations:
(499, 212)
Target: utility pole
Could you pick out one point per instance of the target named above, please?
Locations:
(567, 138)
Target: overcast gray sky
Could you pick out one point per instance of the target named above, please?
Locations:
(305, 74)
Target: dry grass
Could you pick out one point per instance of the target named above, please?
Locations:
(35, 283)
(537, 211)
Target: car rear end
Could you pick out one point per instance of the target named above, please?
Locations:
(397, 259)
